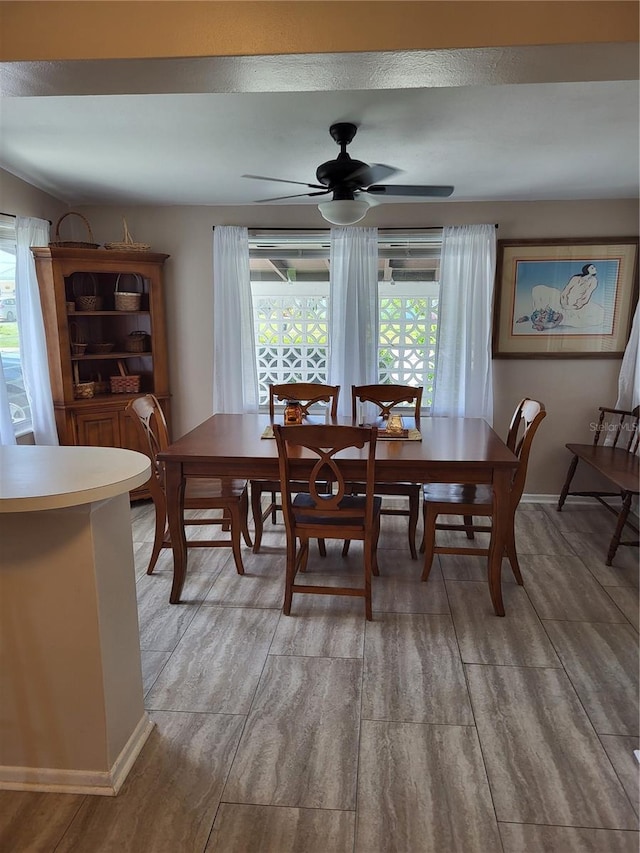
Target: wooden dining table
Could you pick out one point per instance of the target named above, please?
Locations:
(451, 450)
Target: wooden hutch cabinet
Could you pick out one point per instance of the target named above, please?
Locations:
(109, 334)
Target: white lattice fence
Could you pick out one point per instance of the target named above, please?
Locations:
(292, 341)
(407, 348)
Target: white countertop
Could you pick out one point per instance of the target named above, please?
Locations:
(36, 478)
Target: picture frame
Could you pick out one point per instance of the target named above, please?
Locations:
(564, 298)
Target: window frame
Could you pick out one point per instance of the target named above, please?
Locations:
(9, 247)
(282, 244)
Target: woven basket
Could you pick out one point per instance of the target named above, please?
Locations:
(78, 344)
(83, 390)
(101, 386)
(86, 301)
(127, 301)
(101, 348)
(136, 342)
(125, 384)
(127, 244)
(74, 244)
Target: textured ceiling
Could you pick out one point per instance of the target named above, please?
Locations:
(507, 125)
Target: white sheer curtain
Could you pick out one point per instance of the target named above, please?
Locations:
(33, 345)
(235, 374)
(7, 435)
(629, 379)
(463, 384)
(353, 311)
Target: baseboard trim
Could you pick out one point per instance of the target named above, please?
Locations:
(552, 499)
(104, 783)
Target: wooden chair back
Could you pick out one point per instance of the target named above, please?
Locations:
(526, 419)
(385, 397)
(322, 515)
(306, 393)
(618, 427)
(150, 423)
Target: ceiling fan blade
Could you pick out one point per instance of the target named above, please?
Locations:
(366, 175)
(285, 181)
(411, 190)
(297, 195)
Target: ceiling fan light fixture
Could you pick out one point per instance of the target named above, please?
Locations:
(344, 211)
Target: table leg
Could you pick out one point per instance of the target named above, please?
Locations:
(499, 527)
(174, 490)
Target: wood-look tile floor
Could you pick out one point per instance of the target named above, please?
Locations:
(436, 728)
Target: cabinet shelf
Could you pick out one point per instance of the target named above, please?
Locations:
(72, 314)
(117, 400)
(99, 356)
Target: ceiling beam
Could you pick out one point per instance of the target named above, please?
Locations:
(429, 69)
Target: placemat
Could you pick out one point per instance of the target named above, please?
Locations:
(414, 435)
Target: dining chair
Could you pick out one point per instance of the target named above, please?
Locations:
(201, 493)
(477, 500)
(320, 514)
(306, 393)
(385, 398)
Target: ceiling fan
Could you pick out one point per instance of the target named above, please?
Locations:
(348, 180)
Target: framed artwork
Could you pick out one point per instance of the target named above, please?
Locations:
(564, 298)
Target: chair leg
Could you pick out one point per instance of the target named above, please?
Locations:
(256, 511)
(304, 555)
(236, 524)
(414, 509)
(567, 482)
(512, 554)
(622, 520)
(161, 535)
(244, 518)
(274, 513)
(290, 576)
(322, 548)
(468, 523)
(430, 517)
(345, 547)
(368, 565)
(374, 561)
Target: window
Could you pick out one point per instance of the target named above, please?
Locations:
(290, 289)
(9, 333)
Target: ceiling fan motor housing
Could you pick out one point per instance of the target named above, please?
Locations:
(337, 174)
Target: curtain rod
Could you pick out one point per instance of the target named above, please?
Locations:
(13, 216)
(380, 228)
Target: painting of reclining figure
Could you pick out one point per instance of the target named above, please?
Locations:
(574, 309)
(564, 300)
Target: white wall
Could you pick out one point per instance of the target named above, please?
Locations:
(571, 389)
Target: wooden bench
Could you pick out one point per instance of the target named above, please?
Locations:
(615, 457)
